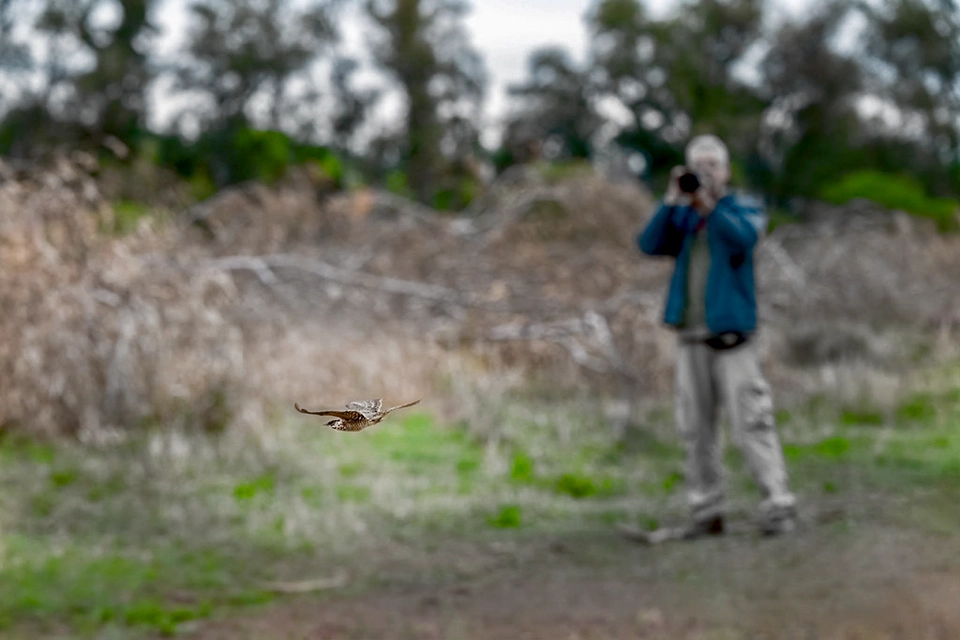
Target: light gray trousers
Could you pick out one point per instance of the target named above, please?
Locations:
(707, 378)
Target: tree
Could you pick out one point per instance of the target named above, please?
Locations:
(110, 98)
(677, 76)
(15, 58)
(915, 45)
(14, 55)
(554, 104)
(242, 58)
(423, 46)
(242, 49)
(811, 130)
(351, 105)
(29, 125)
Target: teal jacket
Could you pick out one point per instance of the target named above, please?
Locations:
(733, 230)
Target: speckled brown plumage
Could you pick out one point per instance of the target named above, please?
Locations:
(358, 415)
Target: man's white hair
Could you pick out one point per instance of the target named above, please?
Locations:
(707, 144)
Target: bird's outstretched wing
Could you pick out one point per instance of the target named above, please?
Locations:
(401, 406)
(369, 408)
(343, 415)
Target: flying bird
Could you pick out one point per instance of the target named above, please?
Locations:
(358, 415)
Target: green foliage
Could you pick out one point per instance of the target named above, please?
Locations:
(126, 215)
(522, 469)
(245, 491)
(780, 217)
(835, 447)
(25, 129)
(351, 469)
(63, 477)
(456, 197)
(832, 448)
(260, 155)
(153, 614)
(217, 159)
(556, 172)
(861, 416)
(919, 408)
(201, 185)
(327, 165)
(353, 493)
(507, 518)
(901, 191)
(672, 481)
(468, 465)
(398, 183)
(576, 485)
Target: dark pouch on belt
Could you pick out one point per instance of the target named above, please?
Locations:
(728, 340)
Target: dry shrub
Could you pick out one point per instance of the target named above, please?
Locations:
(860, 287)
(865, 266)
(95, 338)
(328, 363)
(560, 295)
(253, 219)
(546, 289)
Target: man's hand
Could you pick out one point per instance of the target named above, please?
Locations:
(674, 195)
(705, 198)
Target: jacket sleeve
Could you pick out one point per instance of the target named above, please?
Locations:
(661, 237)
(740, 224)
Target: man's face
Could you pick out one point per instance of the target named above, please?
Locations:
(712, 166)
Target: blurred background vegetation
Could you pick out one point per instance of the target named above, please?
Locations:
(201, 226)
(850, 99)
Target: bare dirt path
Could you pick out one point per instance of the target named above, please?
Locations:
(866, 582)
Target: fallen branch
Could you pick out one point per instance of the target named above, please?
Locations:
(308, 586)
(262, 265)
(787, 265)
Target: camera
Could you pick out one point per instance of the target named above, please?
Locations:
(688, 182)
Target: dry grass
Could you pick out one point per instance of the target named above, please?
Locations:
(96, 337)
(540, 287)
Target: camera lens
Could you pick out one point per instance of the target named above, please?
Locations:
(689, 182)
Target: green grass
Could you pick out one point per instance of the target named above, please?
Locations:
(865, 416)
(507, 518)
(151, 535)
(917, 448)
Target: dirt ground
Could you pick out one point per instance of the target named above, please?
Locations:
(864, 581)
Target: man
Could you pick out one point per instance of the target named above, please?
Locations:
(711, 234)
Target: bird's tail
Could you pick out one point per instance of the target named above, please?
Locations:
(401, 406)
